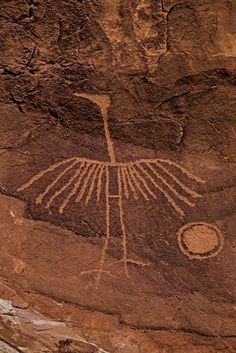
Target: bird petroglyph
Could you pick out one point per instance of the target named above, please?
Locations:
(140, 179)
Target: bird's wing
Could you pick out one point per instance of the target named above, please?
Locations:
(146, 178)
(80, 177)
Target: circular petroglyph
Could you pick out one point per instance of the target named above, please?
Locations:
(200, 240)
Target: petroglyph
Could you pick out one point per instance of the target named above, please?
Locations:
(82, 180)
(200, 240)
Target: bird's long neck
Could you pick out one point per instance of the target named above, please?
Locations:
(110, 146)
(103, 101)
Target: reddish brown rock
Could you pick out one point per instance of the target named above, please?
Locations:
(117, 160)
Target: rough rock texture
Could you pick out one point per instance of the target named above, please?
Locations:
(126, 243)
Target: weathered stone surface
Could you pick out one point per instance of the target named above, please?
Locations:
(127, 241)
(52, 326)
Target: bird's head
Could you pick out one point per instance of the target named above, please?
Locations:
(101, 100)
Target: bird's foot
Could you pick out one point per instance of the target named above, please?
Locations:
(98, 274)
(127, 261)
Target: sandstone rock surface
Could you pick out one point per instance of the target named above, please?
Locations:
(117, 176)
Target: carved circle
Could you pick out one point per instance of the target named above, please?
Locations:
(200, 240)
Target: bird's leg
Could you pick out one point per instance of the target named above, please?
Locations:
(106, 243)
(102, 270)
(125, 259)
(124, 235)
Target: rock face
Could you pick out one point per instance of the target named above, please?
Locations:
(117, 178)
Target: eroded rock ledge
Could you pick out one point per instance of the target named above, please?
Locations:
(33, 323)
